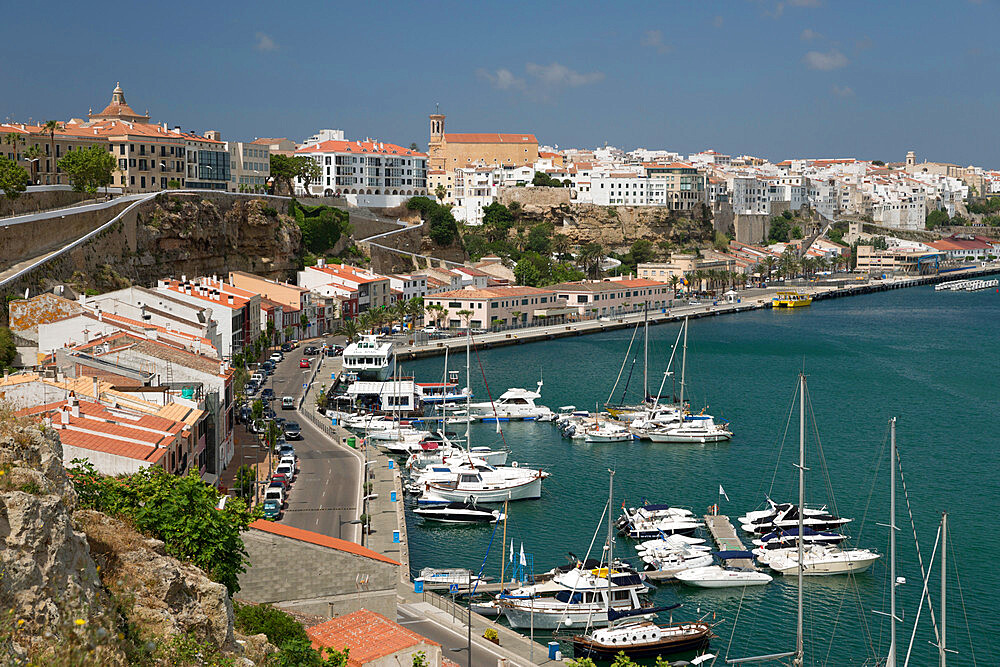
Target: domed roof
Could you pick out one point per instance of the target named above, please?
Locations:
(118, 109)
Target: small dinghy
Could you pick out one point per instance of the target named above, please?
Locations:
(443, 579)
(459, 513)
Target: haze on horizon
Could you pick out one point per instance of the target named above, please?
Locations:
(773, 78)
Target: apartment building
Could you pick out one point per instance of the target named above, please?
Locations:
(295, 301)
(236, 311)
(356, 289)
(249, 166)
(208, 165)
(495, 306)
(608, 297)
(407, 285)
(366, 173)
(44, 169)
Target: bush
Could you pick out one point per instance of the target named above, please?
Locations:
(280, 628)
(181, 511)
(443, 226)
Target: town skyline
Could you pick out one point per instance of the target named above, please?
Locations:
(820, 83)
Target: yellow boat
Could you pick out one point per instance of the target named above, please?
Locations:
(790, 300)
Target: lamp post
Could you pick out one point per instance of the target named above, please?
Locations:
(468, 646)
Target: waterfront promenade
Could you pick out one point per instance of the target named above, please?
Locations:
(750, 299)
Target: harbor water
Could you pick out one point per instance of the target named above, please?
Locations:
(929, 358)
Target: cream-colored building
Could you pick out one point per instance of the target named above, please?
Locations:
(249, 166)
(486, 307)
(448, 151)
(682, 265)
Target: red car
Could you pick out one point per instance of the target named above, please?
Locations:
(282, 479)
(304, 363)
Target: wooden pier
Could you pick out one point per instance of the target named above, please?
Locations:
(726, 539)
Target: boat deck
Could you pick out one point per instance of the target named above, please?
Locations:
(726, 539)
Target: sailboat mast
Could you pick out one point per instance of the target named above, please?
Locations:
(799, 649)
(891, 658)
(684, 358)
(645, 352)
(503, 552)
(943, 645)
(468, 390)
(611, 549)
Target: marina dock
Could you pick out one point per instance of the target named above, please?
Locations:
(726, 539)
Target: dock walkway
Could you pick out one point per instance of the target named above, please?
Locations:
(726, 539)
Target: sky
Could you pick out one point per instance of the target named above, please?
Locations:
(773, 78)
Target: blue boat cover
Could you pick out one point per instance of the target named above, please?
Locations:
(726, 555)
(655, 507)
(793, 532)
(626, 579)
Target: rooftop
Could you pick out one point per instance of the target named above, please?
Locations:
(489, 138)
(367, 146)
(492, 293)
(368, 635)
(319, 540)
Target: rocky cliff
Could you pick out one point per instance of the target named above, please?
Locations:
(78, 587)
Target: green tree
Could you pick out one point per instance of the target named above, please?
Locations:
(244, 481)
(88, 168)
(540, 239)
(13, 178)
(466, 316)
(8, 350)
(779, 230)
(497, 221)
(796, 232)
(255, 619)
(562, 247)
(590, 258)
(541, 179)
(350, 330)
(526, 272)
(440, 192)
(303, 323)
(50, 127)
(283, 170)
(642, 251)
(443, 227)
(181, 511)
(308, 170)
(936, 218)
(13, 140)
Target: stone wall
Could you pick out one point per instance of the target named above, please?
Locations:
(330, 582)
(752, 228)
(542, 197)
(45, 200)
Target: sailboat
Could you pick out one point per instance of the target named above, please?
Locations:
(637, 638)
(622, 411)
(814, 559)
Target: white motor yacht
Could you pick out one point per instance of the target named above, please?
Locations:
(369, 358)
(654, 521)
(447, 453)
(369, 423)
(694, 429)
(818, 560)
(437, 579)
(479, 484)
(513, 405)
(716, 576)
(459, 513)
(785, 516)
(607, 432)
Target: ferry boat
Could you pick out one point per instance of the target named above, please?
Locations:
(369, 358)
(790, 299)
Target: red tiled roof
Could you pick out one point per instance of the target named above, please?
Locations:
(489, 138)
(492, 293)
(376, 147)
(319, 540)
(109, 445)
(368, 635)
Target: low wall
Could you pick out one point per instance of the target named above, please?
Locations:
(544, 197)
(313, 579)
(32, 239)
(41, 200)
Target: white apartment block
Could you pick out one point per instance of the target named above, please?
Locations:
(366, 173)
(408, 285)
(474, 189)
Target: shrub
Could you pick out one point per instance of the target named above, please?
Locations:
(280, 628)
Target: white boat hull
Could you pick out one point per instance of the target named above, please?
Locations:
(549, 616)
(717, 577)
(822, 567)
(529, 490)
(681, 438)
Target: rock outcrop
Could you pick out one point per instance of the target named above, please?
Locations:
(70, 577)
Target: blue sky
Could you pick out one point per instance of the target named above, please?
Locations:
(776, 78)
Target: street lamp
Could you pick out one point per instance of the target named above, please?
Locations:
(468, 647)
(352, 522)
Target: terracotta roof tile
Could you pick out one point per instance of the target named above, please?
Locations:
(489, 138)
(368, 635)
(319, 540)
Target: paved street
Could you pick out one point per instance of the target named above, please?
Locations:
(324, 496)
(452, 634)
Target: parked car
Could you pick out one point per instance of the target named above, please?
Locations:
(267, 394)
(275, 491)
(304, 363)
(288, 459)
(257, 377)
(286, 450)
(287, 402)
(311, 350)
(282, 479)
(429, 330)
(272, 509)
(276, 357)
(258, 426)
(287, 469)
(267, 368)
(292, 431)
(286, 347)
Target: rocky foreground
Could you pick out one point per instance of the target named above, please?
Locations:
(79, 587)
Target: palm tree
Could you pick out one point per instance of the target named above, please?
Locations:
(415, 308)
(466, 315)
(33, 154)
(399, 311)
(440, 192)
(696, 278)
(432, 312)
(561, 246)
(442, 315)
(767, 266)
(350, 329)
(787, 264)
(12, 139)
(674, 281)
(51, 127)
(590, 258)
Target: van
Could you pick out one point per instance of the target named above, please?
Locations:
(287, 402)
(275, 492)
(257, 378)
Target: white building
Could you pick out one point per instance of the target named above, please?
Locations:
(474, 189)
(324, 135)
(366, 173)
(236, 312)
(408, 285)
(250, 166)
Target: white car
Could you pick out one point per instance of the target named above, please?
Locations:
(287, 469)
(287, 460)
(276, 357)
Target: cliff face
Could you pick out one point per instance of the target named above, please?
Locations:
(74, 579)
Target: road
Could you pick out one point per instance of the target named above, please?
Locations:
(324, 495)
(452, 636)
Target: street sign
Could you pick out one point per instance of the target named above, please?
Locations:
(452, 588)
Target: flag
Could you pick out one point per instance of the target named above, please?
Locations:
(512, 551)
(523, 560)
(722, 492)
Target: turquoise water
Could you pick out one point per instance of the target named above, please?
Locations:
(929, 358)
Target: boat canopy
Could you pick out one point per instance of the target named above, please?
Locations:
(570, 597)
(727, 555)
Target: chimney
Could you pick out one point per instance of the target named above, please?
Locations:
(97, 388)
(64, 417)
(230, 298)
(74, 404)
